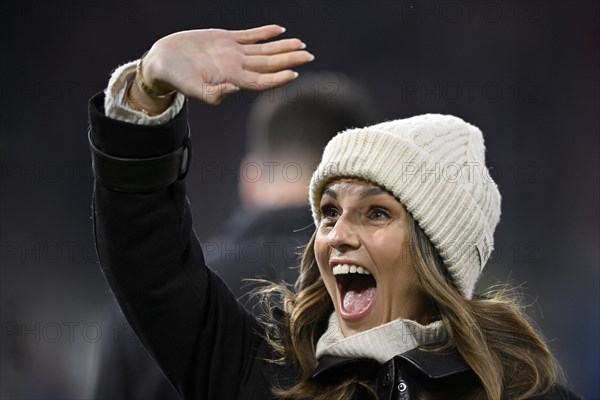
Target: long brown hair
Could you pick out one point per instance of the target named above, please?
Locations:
(491, 332)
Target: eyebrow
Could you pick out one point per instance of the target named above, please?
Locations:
(367, 193)
(330, 192)
(372, 192)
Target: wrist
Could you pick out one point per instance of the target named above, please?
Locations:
(138, 100)
(141, 96)
(151, 86)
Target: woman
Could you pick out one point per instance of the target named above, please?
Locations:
(383, 307)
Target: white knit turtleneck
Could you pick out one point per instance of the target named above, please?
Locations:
(380, 343)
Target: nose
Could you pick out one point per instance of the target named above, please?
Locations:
(344, 235)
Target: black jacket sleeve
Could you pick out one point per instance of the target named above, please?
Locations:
(204, 342)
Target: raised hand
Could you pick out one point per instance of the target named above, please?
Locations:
(210, 63)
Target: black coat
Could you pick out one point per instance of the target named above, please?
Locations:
(208, 345)
(249, 245)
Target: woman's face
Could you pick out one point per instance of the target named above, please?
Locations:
(361, 247)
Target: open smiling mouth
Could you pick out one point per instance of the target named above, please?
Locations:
(357, 288)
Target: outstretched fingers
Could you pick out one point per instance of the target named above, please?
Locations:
(254, 35)
(250, 65)
(266, 65)
(273, 63)
(257, 81)
(280, 46)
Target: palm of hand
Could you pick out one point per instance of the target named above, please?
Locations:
(208, 64)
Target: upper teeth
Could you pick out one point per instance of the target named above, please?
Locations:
(349, 269)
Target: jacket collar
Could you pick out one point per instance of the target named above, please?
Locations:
(436, 364)
(433, 364)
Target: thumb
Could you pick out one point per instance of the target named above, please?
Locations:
(214, 94)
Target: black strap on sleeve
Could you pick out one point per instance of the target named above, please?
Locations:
(135, 175)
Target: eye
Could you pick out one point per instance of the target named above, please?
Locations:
(329, 212)
(379, 213)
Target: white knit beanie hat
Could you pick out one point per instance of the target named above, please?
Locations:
(435, 165)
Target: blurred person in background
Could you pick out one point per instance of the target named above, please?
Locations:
(384, 305)
(287, 129)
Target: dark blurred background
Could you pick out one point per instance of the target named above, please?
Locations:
(527, 73)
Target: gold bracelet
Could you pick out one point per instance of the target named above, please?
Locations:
(134, 105)
(147, 88)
